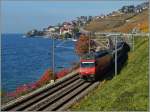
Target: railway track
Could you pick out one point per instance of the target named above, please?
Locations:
(57, 97)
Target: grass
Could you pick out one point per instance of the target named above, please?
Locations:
(127, 91)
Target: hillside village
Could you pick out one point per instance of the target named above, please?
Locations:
(102, 22)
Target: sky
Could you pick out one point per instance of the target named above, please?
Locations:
(22, 16)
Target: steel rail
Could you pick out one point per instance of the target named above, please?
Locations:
(41, 105)
(20, 100)
(43, 95)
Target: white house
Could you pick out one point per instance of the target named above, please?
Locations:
(66, 28)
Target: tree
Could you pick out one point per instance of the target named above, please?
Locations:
(67, 35)
(82, 45)
(75, 30)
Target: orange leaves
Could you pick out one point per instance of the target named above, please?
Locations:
(22, 89)
(143, 26)
(82, 45)
(28, 87)
(62, 73)
(46, 77)
(19, 90)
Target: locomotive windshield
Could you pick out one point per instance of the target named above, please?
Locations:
(87, 64)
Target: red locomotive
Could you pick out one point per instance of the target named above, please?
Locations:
(95, 65)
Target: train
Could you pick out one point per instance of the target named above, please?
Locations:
(95, 65)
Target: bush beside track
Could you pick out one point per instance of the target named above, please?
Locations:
(126, 91)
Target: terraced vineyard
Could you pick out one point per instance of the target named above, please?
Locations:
(120, 23)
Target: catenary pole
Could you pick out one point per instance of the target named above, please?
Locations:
(53, 58)
(132, 42)
(89, 42)
(116, 55)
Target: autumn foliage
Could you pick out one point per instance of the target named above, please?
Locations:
(62, 73)
(46, 77)
(82, 45)
(22, 89)
(143, 26)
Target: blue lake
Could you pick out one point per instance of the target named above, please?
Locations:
(24, 60)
